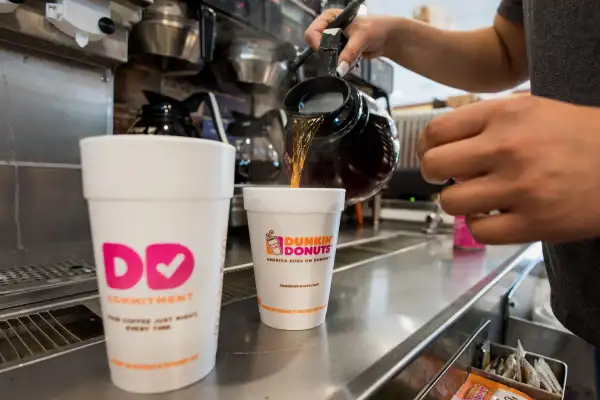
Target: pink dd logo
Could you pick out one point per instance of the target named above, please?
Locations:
(168, 265)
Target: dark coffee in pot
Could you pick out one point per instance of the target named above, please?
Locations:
(355, 146)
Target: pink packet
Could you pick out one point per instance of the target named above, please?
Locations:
(462, 236)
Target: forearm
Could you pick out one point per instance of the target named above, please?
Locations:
(475, 61)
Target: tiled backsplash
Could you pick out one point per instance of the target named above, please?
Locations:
(46, 106)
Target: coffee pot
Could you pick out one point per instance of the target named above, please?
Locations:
(258, 160)
(356, 145)
(164, 115)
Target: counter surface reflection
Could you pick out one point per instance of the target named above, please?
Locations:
(373, 309)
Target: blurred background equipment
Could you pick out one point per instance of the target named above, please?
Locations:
(434, 16)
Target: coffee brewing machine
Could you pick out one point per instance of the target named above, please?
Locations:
(236, 52)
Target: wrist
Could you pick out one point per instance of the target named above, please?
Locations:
(396, 28)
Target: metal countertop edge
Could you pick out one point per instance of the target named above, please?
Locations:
(368, 382)
(93, 293)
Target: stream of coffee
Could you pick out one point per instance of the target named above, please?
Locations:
(303, 132)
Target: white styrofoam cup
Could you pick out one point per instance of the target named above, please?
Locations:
(159, 208)
(293, 235)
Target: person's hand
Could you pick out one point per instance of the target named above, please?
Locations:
(367, 37)
(535, 160)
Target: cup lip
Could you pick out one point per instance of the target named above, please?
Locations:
(156, 138)
(294, 200)
(287, 188)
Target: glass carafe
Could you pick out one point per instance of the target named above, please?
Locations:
(257, 159)
(164, 115)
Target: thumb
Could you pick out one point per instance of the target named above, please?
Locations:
(314, 31)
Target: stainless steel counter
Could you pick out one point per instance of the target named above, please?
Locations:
(381, 315)
(238, 246)
(34, 282)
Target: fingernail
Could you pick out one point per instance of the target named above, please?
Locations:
(434, 181)
(342, 68)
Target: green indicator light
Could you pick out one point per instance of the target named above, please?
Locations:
(412, 199)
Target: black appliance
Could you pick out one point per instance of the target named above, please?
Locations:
(336, 4)
(237, 8)
(408, 184)
(382, 75)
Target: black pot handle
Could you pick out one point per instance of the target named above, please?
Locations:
(238, 116)
(332, 43)
(341, 21)
(380, 93)
(275, 114)
(208, 32)
(213, 106)
(155, 97)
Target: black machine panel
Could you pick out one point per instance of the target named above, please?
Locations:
(408, 184)
(238, 8)
(295, 21)
(382, 75)
(314, 5)
(362, 70)
(285, 19)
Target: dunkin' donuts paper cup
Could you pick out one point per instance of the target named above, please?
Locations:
(293, 234)
(158, 209)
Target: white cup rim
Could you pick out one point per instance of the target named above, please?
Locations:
(157, 138)
(163, 168)
(293, 200)
(287, 188)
